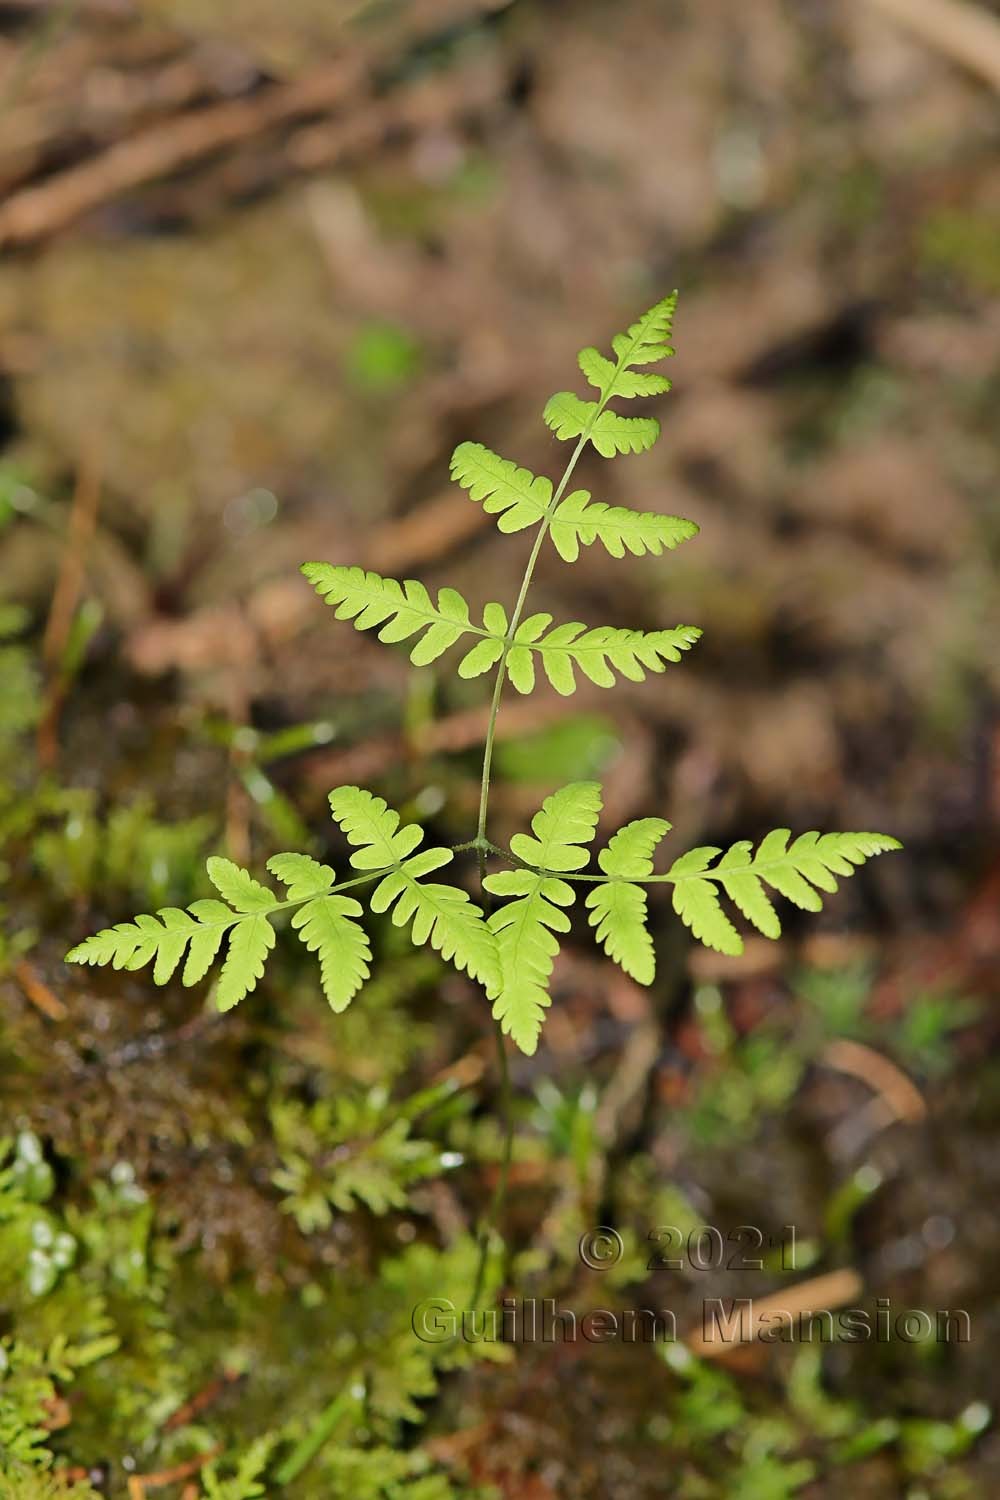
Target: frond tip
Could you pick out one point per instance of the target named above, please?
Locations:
(799, 872)
(594, 421)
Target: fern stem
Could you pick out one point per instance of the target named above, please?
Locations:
(482, 844)
(515, 620)
(518, 610)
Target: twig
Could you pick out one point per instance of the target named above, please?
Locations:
(38, 992)
(139, 1483)
(819, 1293)
(198, 1403)
(82, 520)
(966, 33)
(901, 1096)
(66, 595)
(164, 148)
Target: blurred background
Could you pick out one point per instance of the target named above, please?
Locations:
(262, 268)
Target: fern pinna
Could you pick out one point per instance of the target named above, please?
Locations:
(510, 951)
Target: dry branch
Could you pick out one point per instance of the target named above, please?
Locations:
(963, 32)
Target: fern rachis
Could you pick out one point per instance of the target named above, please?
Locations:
(511, 952)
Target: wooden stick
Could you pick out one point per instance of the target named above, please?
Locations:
(38, 992)
(166, 147)
(901, 1095)
(964, 32)
(139, 1483)
(819, 1293)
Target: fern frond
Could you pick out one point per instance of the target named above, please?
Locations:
(799, 873)
(199, 931)
(619, 530)
(340, 945)
(610, 433)
(517, 496)
(401, 609)
(526, 927)
(598, 652)
(440, 914)
(618, 909)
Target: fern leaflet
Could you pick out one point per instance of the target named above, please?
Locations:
(442, 915)
(569, 417)
(799, 873)
(401, 609)
(619, 530)
(249, 944)
(517, 496)
(199, 931)
(522, 499)
(618, 908)
(597, 652)
(526, 927)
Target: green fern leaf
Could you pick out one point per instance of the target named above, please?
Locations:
(569, 417)
(517, 496)
(249, 944)
(373, 828)
(526, 927)
(609, 380)
(619, 530)
(401, 609)
(213, 920)
(325, 926)
(618, 909)
(237, 886)
(199, 931)
(484, 655)
(567, 820)
(618, 912)
(745, 890)
(696, 902)
(799, 872)
(441, 915)
(629, 853)
(303, 876)
(610, 433)
(644, 344)
(597, 652)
